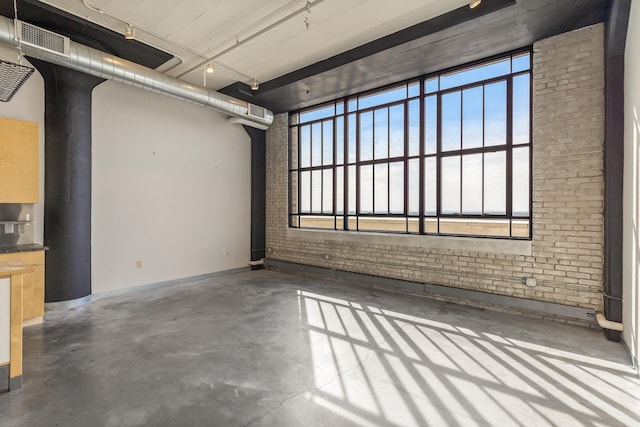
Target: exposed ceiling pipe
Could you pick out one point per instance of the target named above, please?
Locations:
(100, 64)
(306, 8)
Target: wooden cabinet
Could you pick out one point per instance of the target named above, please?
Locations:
(33, 283)
(19, 164)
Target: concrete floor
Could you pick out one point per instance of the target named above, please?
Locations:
(263, 348)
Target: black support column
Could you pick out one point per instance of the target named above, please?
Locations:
(258, 190)
(67, 201)
(615, 39)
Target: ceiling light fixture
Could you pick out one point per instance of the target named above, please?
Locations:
(475, 3)
(129, 32)
(210, 68)
(254, 85)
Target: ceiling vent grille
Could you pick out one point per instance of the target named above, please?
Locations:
(43, 39)
(256, 111)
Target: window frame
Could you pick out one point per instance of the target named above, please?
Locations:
(343, 218)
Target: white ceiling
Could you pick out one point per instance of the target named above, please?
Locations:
(197, 30)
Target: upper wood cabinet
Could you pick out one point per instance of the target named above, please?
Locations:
(19, 165)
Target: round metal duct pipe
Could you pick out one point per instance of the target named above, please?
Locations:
(100, 64)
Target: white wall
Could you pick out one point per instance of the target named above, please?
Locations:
(171, 188)
(28, 104)
(631, 223)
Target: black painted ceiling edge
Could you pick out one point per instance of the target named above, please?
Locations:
(500, 27)
(457, 16)
(85, 32)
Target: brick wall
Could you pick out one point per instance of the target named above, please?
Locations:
(566, 253)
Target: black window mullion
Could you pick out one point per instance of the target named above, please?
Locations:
(421, 160)
(439, 159)
(345, 176)
(461, 147)
(357, 166)
(509, 155)
(334, 197)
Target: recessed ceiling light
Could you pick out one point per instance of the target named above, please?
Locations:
(210, 68)
(475, 3)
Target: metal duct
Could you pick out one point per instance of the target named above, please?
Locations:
(99, 64)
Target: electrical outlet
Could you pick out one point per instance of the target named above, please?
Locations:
(139, 264)
(530, 281)
(327, 257)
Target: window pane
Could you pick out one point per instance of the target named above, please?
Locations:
(495, 120)
(521, 62)
(414, 127)
(414, 89)
(396, 187)
(520, 228)
(316, 191)
(339, 107)
(396, 131)
(327, 191)
(366, 136)
(352, 189)
(305, 192)
(293, 182)
(451, 185)
(381, 133)
(340, 140)
(385, 97)
(521, 114)
(430, 186)
(472, 184)
(495, 169)
(352, 138)
(352, 105)
(340, 190)
(317, 113)
(327, 142)
(366, 189)
(472, 118)
(316, 144)
(382, 188)
(431, 85)
(451, 121)
(305, 146)
(414, 187)
(431, 124)
(475, 74)
(521, 181)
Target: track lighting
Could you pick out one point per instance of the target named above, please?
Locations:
(475, 3)
(210, 68)
(254, 85)
(129, 32)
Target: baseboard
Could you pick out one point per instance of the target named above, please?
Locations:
(33, 321)
(582, 315)
(631, 356)
(164, 284)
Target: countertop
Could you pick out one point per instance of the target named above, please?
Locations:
(28, 247)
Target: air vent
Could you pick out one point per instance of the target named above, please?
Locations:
(255, 111)
(43, 39)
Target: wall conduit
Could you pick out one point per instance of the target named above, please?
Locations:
(100, 64)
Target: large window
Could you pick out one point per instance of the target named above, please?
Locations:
(445, 154)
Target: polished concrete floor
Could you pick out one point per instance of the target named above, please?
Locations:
(262, 348)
